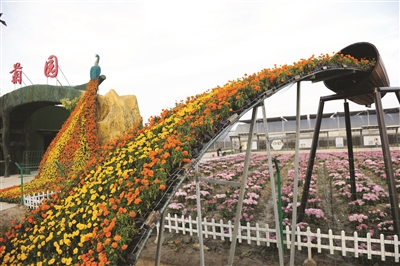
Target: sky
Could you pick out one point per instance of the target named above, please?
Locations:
(164, 51)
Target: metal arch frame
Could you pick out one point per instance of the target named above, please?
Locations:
(180, 174)
(393, 197)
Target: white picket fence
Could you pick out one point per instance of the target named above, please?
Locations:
(33, 201)
(263, 234)
(345, 245)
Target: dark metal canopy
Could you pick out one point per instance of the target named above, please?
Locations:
(361, 82)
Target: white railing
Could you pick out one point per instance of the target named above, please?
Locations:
(33, 201)
(345, 245)
(263, 234)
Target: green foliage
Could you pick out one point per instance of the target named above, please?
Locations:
(70, 104)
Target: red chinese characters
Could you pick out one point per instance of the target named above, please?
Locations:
(17, 74)
(51, 67)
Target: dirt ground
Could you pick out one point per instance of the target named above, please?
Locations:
(180, 250)
(7, 216)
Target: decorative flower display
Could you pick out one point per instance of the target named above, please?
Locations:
(219, 201)
(370, 213)
(74, 145)
(94, 219)
(314, 214)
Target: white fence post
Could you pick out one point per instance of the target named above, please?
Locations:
(224, 230)
(172, 223)
(309, 242)
(355, 244)
(191, 226)
(343, 236)
(205, 227)
(288, 236)
(298, 238)
(369, 245)
(248, 233)
(319, 240)
(34, 201)
(331, 250)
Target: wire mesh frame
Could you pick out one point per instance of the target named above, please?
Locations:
(30, 163)
(31, 160)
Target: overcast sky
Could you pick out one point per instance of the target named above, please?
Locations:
(164, 51)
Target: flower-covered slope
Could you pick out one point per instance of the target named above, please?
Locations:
(96, 221)
(74, 145)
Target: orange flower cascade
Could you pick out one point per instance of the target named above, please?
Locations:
(95, 222)
(75, 144)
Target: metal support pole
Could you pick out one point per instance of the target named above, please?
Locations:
(199, 217)
(310, 166)
(361, 139)
(22, 182)
(327, 136)
(278, 174)
(350, 151)
(273, 190)
(242, 187)
(296, 174)
(61, 169)
(398, 95)
(5, 144)
(393, 198)
(160, 239)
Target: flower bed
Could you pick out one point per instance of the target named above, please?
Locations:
(219, 201)
(370, 213)
(94, 220)
(314, 213)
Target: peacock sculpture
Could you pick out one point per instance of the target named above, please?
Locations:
(2, 21)
(95, 70)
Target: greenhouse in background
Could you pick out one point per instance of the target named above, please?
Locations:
(282, 132)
